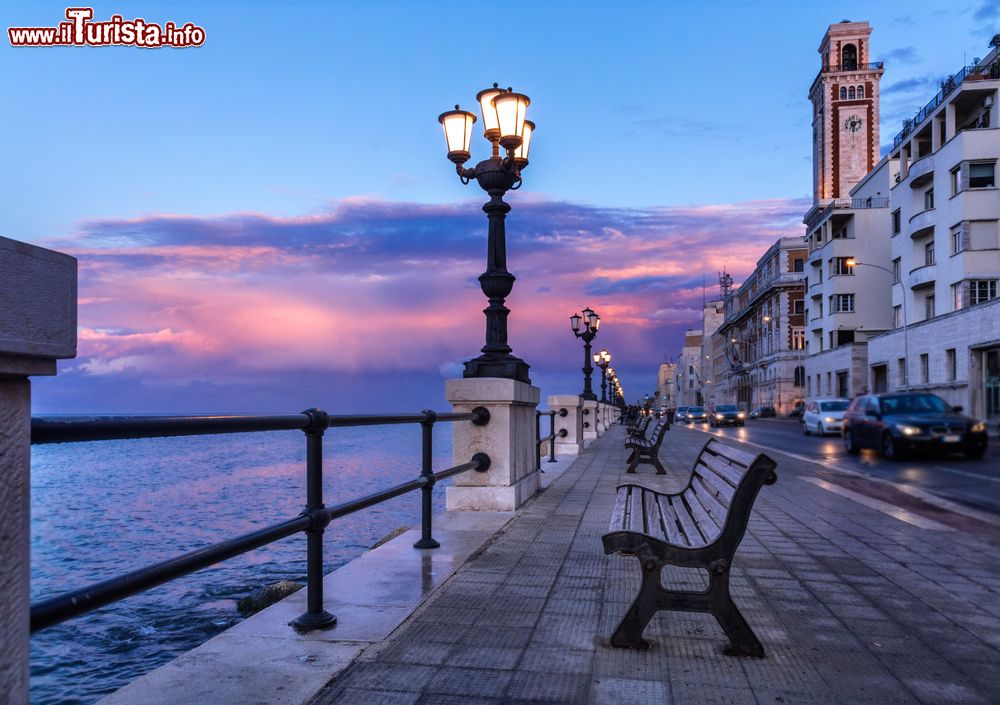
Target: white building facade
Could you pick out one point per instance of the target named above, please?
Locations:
(945, 248)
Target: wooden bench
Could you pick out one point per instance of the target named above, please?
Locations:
(647, 450)
(638, 430)
(699, 527)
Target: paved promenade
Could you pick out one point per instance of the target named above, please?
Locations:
(855, 600)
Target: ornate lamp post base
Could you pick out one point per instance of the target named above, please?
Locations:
(508, 367)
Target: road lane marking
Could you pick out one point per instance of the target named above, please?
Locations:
(879, 505)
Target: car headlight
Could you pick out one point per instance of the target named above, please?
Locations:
(908, 430)
(741, 415)
(829, 419)
(978, 427)
(719, 417)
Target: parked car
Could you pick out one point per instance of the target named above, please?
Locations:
(696, 414)
(797, 411)
(824, 416)
(763, 412)
(901, 422)
(680, 416)
(727, 415)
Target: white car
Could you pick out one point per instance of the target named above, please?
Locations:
(824, 416)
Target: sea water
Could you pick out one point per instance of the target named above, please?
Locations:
(103, 508)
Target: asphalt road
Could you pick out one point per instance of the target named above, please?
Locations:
(975, 483)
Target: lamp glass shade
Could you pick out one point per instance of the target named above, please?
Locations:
(511, 108)
(457, 126)
(596, 322)
(491, 123)
(521, 153)
(597, 358)
(574, 321)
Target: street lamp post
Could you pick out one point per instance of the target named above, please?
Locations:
(590, 322)
(602, 360)
(906, 338)
(503, 126)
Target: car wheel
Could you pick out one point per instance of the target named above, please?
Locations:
(976, 454)
(805, 429)
(889, 450)
(849, 445)
(742, 424)
(821, 429)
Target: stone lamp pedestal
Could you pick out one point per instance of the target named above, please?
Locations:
(572, 423)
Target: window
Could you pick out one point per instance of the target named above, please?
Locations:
(950, 367)
(839, 266)
(799, 306)
(800, 376)
(798, 341)
(861, 91)
(929, 307)
(829, 383)
(981, 290)
(929, 253)
(956, 179)
(897, 265)
(850, 93)
(901, 367)
(958, 240)
(982, 175)
(797, 264)
(843, 93)
(849, 58)
(897, 316)
(924, 368)
(896, 222)
(842, 385)
(842, 303)
(929, 199)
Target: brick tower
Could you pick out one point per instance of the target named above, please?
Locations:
(845, 99)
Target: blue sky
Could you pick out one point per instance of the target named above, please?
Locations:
(292, 111)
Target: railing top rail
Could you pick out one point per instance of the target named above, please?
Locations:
(75, 429)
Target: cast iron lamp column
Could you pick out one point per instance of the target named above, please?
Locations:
(503, 126)
(602, 360)
(591, 322)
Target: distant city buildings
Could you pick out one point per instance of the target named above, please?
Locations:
(895, 283)
(666, 385)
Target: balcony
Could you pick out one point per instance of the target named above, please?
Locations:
(922, 276)
(968, 73)
(921, 171)
(922, 224)
(818, 214)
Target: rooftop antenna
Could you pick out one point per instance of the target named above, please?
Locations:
(725, 283)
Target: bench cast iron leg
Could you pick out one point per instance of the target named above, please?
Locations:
(742, 640)
(629, 632)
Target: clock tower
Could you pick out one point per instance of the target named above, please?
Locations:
(845, 102)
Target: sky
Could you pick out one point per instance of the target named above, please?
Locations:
(268, 222)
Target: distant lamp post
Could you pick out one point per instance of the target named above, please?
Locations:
(585, 326)
(851, 262)
(504, 126)
(602, 360)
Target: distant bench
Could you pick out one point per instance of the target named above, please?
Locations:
(647, 450)
(698, 527)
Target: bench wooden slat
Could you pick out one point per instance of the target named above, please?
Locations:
(684, 518)
(654, 526)
(669, 518)
(637, 521)
(618, 514)
(706, 494)
(728, 452)
(720, 489)
(709, 528)
(731, 474)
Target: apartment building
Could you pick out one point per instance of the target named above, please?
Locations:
(666, 385)
(763, 332)
(945, 248)
(712, 317)
(688, 372)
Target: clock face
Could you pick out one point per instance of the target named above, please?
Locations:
(853, 123)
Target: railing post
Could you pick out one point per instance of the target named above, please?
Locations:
(552, 432)
(538, 440)
(315, 617)
(427, 471)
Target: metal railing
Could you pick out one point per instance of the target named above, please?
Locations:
(820, 214)
(551, 438)
(948, 86)
(313, 520)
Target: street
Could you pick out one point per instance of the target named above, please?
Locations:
(973, 483)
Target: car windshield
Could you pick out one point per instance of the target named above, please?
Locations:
(726, 407)
(914, 404)
(833, 405)
(696, 409)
